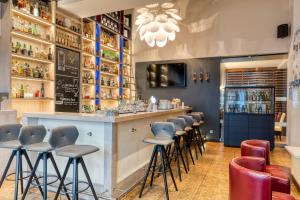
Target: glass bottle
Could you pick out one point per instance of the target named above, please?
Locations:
(50, 54)
(36, 12)
(42, 91)
(21, 91)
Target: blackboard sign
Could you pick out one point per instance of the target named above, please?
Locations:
(67, 83)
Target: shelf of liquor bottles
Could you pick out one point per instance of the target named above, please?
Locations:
(38, 27)
(32, 55)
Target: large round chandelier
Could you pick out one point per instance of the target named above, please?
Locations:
(158, 23)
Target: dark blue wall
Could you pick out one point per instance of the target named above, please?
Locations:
(202, 96)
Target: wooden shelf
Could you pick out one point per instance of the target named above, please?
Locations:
(88, 84)
(109, 99)
(31, 79)
(31, 37)
(109, 48)
(33, 99)
(108, 29)
(31, 58)
(87, 69)
(66, 47)
(87, 39)
(88, 54)
(67, 30)
(108, 74)
(112, 18)
(108, 60)
(108, 87)
(31, 17)
(90, 99)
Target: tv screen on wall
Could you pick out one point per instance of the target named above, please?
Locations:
(166, 75)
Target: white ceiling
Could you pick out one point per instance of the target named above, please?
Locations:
(279, 63)
(87, 8)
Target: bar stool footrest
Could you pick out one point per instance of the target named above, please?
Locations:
(41, 177)
(11, 174)
(69, 191)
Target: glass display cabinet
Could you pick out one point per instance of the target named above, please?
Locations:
(248, 114)
(257, 100)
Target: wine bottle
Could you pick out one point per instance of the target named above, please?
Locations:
(24, 50)
(30, 52)
(42, 91)
(22, 91)
(50, 54)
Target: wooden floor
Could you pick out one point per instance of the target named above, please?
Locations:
(207, 180)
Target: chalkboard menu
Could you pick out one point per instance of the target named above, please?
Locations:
(67, 83)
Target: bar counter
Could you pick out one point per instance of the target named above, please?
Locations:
(119, 165)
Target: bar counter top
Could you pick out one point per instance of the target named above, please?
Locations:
(101, 117)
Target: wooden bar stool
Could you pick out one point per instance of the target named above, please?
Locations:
(163, 132)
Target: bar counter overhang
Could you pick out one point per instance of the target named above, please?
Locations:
(119, 165)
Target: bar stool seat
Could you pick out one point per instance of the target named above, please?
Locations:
(180, 133)
(188, 128)
(13, 144)
(75, 151)
(159, 141)
(39, 147)
(197, 124)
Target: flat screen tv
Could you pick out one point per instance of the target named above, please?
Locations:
(166, 75)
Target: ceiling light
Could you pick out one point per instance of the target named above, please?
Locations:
(158, 24)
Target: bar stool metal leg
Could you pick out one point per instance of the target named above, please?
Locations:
(197, 141)
(58, 173)
(13, 154)
(154, 168)
(88, 177)
(17, 176)
(45, 158)
(21, 173)
(75, 180)
(148, 170)
(169, 166)
(63, 178)
(31, 176)
(184, 148)
(34, 175)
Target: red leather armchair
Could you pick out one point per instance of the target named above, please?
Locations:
(280, 175)
(248, 181)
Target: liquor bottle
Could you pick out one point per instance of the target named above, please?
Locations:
(42, 91)
(24, 50)
(21, 91)
(36, 12)
(30, 52)
(13, 48)
(50, 55)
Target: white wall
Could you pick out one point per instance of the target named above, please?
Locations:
(293, 128)
(223, 28)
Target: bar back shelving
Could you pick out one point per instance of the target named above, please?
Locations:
(38, 28)
(32, 56)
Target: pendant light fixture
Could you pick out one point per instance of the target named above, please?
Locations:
(158, 23)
